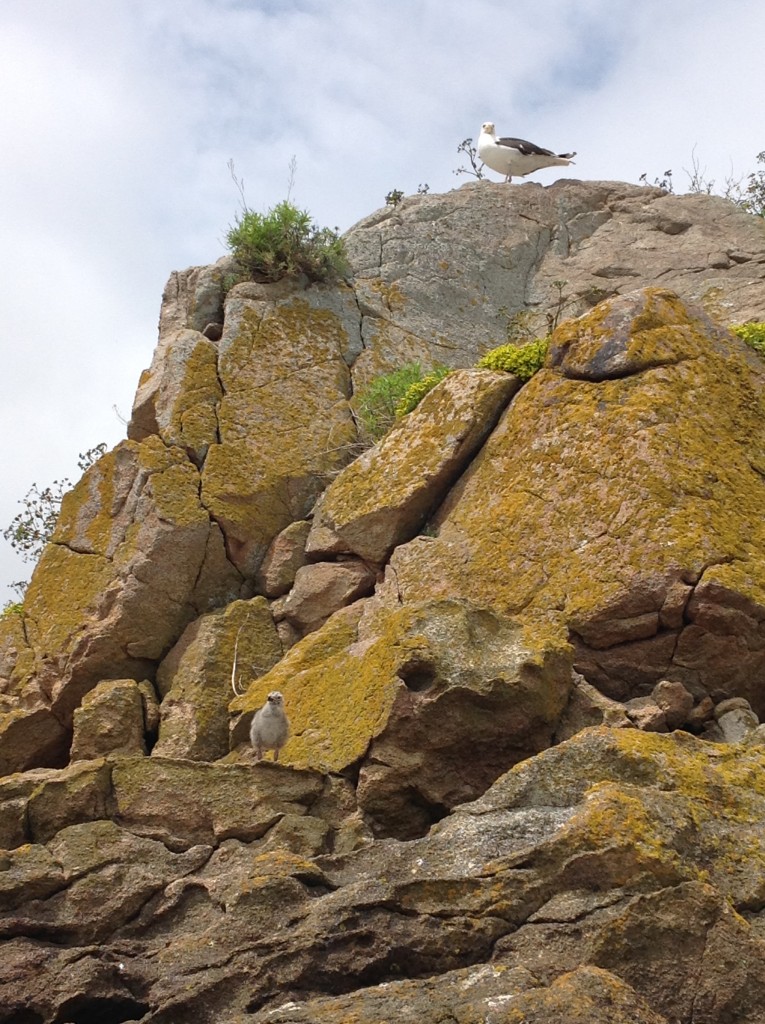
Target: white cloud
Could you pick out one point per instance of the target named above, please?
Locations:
(118, 120)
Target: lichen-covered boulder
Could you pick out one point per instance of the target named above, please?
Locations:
(383, 498)
(620, 501)
(178, 396)
(133, 559)
(110, 720)
(284, 420)
(196, 678)
(431, 702)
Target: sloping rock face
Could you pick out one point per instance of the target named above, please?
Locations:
(597, 877)
(447, 618)
(437, 277)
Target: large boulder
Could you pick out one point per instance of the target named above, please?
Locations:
(134, 558)
(620, 501)
(284, 421)
(428, 703)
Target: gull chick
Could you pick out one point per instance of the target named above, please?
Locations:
(270, 726)
(516, 156)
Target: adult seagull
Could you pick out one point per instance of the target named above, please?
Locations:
(516, 156)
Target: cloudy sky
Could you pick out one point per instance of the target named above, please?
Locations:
(118, 119)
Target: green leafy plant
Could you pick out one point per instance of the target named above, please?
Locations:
(394, 197)
(753, 334)
(415, 393)
(521, 360)
(377, 403)
(285, 243)
(32, 528)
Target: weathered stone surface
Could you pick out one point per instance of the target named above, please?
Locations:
(284, 421)
(588, 706)
(323, 588)
(283, 559)
(110, 720)
(178, 396)
(646, 714)
(491, 994)
(183, 802)
(383, 498)
(432, 701)
(193, 298)
(438, 276)
(196, 678)
(736, 720)
(674, 700)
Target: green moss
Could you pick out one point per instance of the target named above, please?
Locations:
(415, 393)
(522, 360)
(753, 334)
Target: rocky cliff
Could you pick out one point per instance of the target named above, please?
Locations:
(521, 642)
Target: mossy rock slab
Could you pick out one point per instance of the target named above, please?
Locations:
(383, 498)
(183, 803)
(284, 421)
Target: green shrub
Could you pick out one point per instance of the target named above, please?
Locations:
(415, 393)
(522, 360)
(753, 335)
(377, 403)
(284, 243)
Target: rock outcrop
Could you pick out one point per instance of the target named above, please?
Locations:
(521, 643)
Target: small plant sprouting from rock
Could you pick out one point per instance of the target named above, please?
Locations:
(417, 391)
(284, 242)
(394, 197)
(749, 197)
(753, 334)
(521, 360)
(32, 528)
(468, 149)
(664, 183)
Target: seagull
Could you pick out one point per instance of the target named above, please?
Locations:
(516, 156)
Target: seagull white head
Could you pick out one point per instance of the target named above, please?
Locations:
(488, 127)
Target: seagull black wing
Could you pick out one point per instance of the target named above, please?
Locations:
(527, 148)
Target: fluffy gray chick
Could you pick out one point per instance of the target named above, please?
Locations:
(270, 727)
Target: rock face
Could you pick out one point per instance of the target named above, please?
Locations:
(521, 643)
